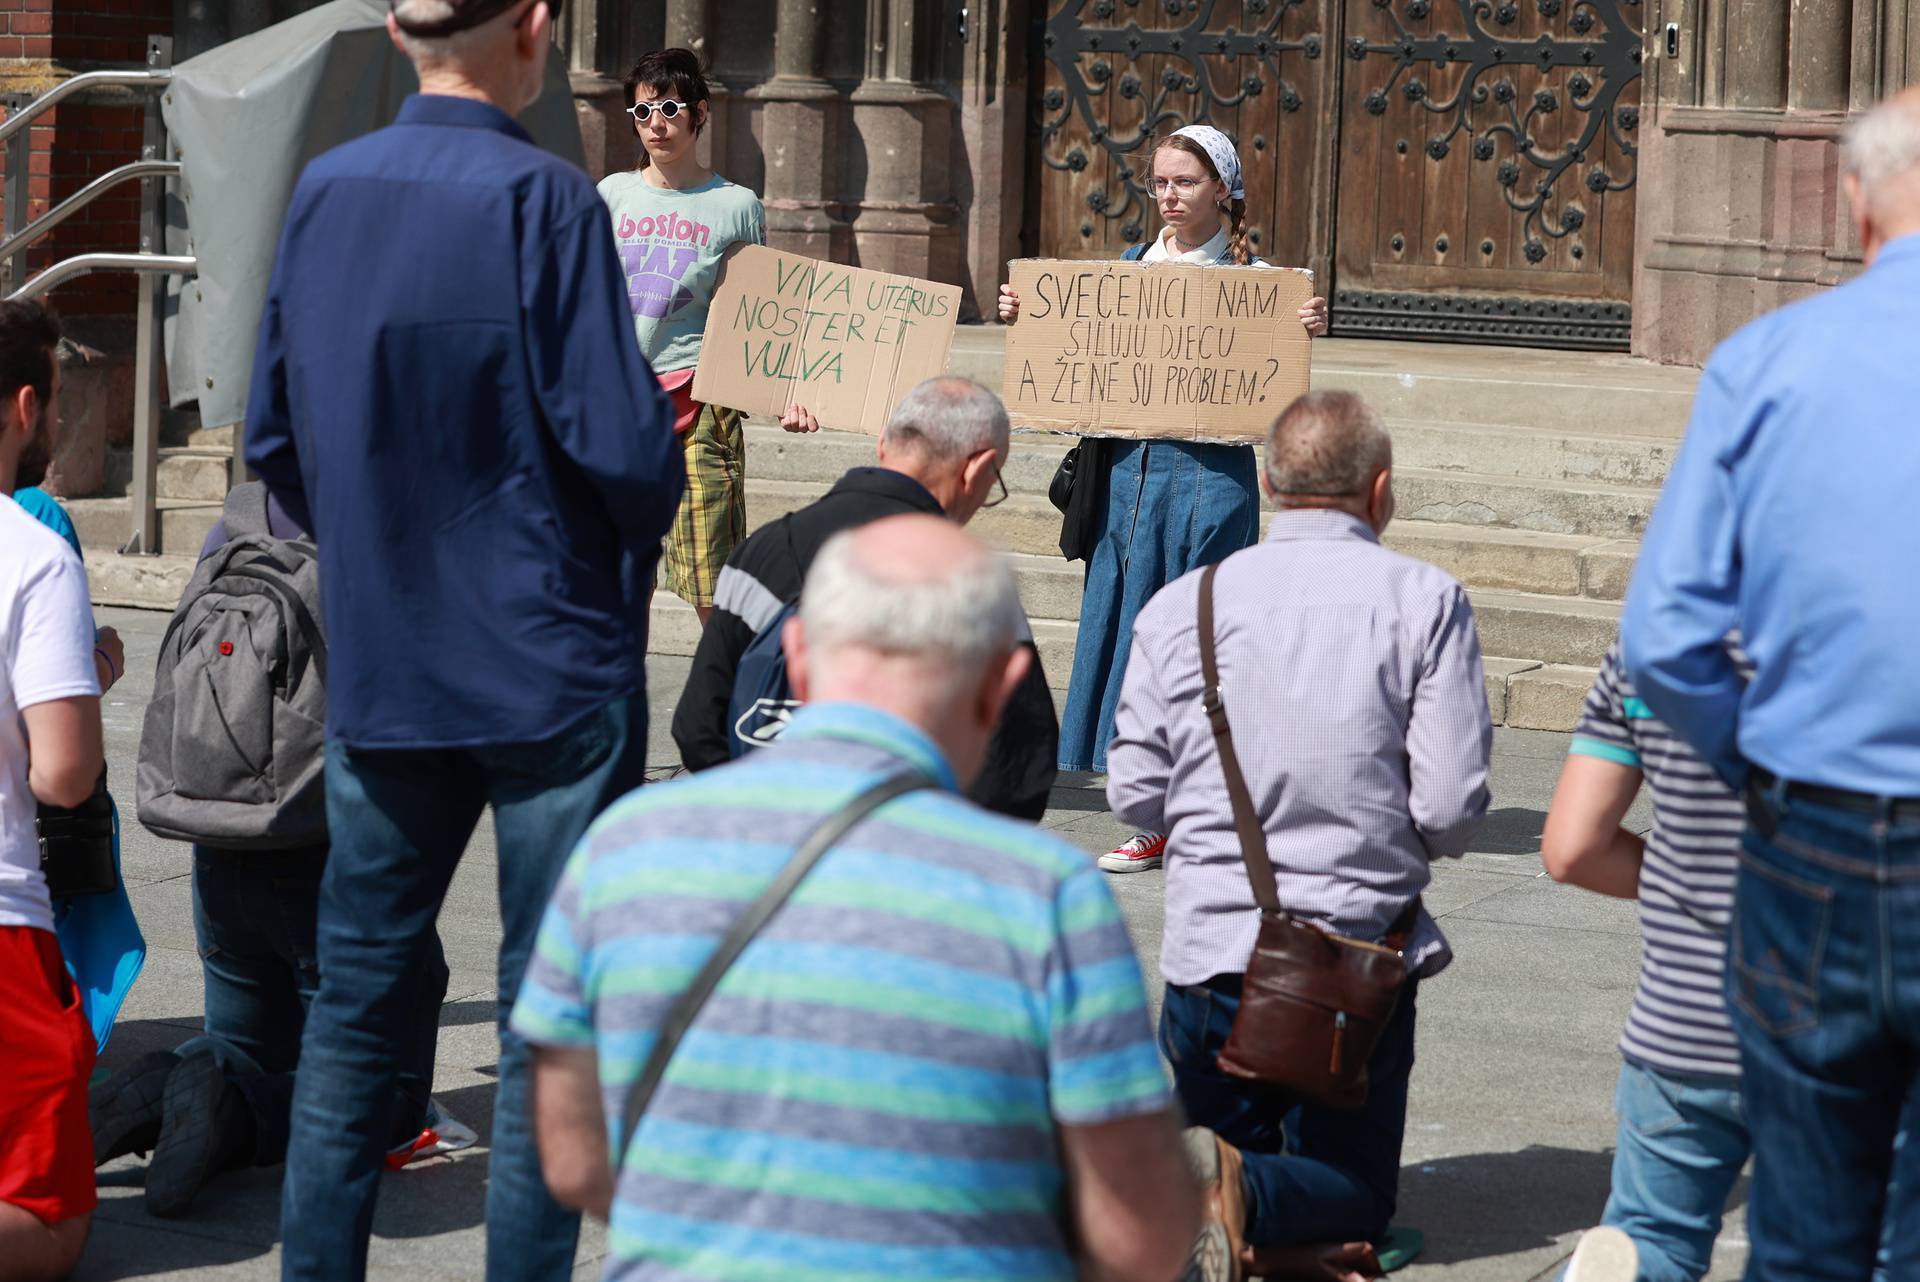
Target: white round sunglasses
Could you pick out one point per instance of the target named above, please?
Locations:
(667, 107)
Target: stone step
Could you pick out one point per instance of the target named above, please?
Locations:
(1546, 629)
(105, 524)
(1479, 555)
(1525, 693)
(1530, 453)
(1589, 508)
(1519, 560)
(1023, 523)
(1503, 386)
(142, 582)
(1476, 448)
(193, 472)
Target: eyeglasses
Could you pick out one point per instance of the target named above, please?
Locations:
(667, 108)
(1184, 186)
(1000, 481)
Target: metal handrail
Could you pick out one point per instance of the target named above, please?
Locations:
(144, 79)
(81, 199)
(83, 264)
(150, 263)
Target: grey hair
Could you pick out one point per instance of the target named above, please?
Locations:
(958, 619)
(1882, 144)
(949, 417)
(1326, 445)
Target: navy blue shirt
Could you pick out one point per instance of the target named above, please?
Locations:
(449, 396)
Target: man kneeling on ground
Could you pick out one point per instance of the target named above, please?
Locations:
(935, 1059)
(1351, 676)
(941, 454)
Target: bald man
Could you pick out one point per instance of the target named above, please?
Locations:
(1790, 514)
(935, 1059)
(1353, 683)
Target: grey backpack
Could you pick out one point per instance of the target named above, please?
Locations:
(231, 752)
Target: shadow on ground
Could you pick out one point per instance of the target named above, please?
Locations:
(1485, 1205)
(1512, 831)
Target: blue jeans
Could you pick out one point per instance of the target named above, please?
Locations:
(254, 916)
(1824, 987)
(1313, 1174)
(400, 821)
(1682, 1144)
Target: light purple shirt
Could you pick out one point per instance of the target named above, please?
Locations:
(1353, 684)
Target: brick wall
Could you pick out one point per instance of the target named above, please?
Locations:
(41, 40)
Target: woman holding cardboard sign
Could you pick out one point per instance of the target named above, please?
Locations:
(676, 221)
(1143, 513)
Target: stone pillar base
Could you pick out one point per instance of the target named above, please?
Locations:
(1746, 216)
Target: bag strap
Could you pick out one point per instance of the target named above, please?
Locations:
(1253, 838)
(245, 511)
(687, 1006)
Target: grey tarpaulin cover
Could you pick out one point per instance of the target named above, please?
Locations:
(246, 118)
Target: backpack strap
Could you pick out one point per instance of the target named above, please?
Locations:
(246, 510)
(1136, 252)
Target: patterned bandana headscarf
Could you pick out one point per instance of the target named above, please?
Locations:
(1220, 150)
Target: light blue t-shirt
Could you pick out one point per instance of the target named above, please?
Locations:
(671, 243)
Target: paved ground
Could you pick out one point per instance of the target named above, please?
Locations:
(1509, 1135)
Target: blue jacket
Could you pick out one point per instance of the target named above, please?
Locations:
(448, 394)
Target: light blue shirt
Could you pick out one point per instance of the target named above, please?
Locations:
(1793, 513)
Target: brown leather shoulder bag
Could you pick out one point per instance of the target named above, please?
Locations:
(1313, 1004)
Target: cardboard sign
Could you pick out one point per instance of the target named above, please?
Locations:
(845, 342)
(1160, 350)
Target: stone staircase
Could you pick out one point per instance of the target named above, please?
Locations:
(1528, 475)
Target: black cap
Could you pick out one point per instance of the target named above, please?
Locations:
(466, 15)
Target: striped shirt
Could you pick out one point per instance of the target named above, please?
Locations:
(1353, 682)
(874, 1090)
(1678, 1023)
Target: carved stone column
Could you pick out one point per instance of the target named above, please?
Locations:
(690, 26)
(596, 35)
(796, 117)
(1740, 209)
(900, 180)
(991, 186)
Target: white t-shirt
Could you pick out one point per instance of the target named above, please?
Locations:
(46, 653)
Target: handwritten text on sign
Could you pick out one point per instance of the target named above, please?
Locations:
(845, 342)
(1155, 350)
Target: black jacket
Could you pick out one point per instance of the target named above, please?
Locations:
(766, 572)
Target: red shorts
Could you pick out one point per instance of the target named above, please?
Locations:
(46, 1146)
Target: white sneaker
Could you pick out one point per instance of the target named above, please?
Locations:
(1605, 1254)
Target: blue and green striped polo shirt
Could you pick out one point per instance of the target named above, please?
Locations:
(873, 1091)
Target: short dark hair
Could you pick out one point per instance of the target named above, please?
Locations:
(676, 73)
(28, 334)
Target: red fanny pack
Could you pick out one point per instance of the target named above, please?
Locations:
(679, 385)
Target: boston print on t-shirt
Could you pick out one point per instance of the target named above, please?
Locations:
(657, 251)
(671, 244)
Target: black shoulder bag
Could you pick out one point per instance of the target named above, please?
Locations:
(687, 1006)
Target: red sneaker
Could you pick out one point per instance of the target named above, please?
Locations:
(1137, 853)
